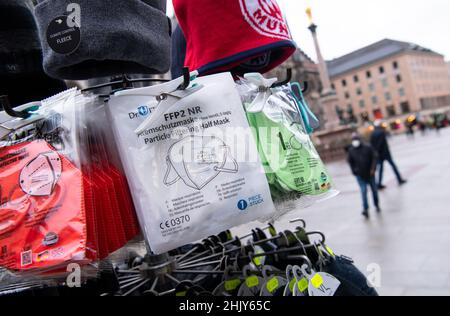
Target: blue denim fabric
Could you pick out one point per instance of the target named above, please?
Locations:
(373, 186)
(381, 169)
(353, 282)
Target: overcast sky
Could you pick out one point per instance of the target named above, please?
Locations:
(346, 25)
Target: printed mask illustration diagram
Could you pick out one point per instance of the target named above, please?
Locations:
(40, 176)
(198, 161)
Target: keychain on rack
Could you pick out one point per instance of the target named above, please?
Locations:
(214, 267)
(274, 284)
(300, 287)
(320, 283)
(252, 284)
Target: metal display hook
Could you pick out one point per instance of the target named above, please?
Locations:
(286, 81)
(126, 82)
(4, 102)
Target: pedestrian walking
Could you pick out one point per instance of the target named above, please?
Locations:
(379, 142)
(363, 162)
(410, 130)
(437, 124)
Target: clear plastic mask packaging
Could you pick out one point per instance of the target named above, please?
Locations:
(43, 219)
(105, 182)
(296, 174)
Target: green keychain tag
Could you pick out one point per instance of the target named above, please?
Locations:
(317, 281)
(302, 285)
(272, 231)
(272, 285)
(258, 261)
(291, 285)
(181, 293)
(252, 281)
(231, 285)
(330, 251)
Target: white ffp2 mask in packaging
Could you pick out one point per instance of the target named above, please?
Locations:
(190, 159)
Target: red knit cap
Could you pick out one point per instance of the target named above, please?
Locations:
(234, 35)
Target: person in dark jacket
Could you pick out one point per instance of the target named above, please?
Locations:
(363, 162)
(379, 142)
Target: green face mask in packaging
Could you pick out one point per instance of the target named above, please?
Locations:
(293, 167)
(291, 162)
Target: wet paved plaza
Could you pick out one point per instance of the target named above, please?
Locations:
(410, 240)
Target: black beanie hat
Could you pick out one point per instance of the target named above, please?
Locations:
(20, 50)
(178, 52)
(115, 37)
(22, 77)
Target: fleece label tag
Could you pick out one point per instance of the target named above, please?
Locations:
(63, 35)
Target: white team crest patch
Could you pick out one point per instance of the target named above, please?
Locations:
(265, 17)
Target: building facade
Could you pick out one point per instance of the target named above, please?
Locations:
(388, 80)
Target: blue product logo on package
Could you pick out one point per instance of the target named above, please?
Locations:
(242, 205)
(143, 110)
(250, 202)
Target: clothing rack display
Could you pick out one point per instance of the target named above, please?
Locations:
(288, 263)
(123, 178)
(217, 264)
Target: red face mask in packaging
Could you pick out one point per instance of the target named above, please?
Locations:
(116, 223)
(42, 212)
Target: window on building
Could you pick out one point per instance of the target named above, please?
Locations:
(362, 104)
(384, 82)
(333, 86)
(356, 78)
(365, 117)
(358, 91)
(381, 69)
(388, 96)
(395, 65)
(390, 110)
(347, 95)
(371, 87)
(434, 102)
(374, 99)
(401, 92)
(351, 114)
(344, 83)
(405, 107)
(398, 78)
(368, 74)
(340, 113)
